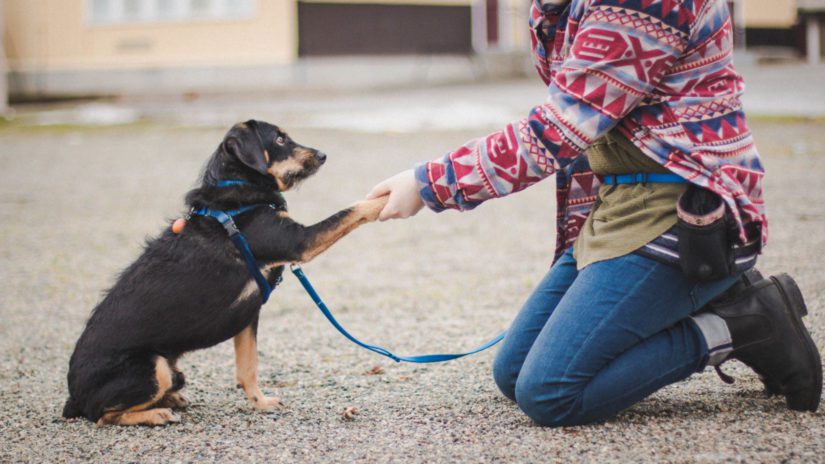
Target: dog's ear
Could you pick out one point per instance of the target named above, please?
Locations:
(243, 142)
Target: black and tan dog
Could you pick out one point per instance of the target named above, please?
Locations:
(192, 290)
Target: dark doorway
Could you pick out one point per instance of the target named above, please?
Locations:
(326, 29)
(492, 22)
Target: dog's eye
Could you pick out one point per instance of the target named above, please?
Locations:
(280, 140)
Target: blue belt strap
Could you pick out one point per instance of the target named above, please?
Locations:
(644, 178)
(426, 358)
(225, 218)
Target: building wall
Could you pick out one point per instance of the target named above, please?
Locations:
(396, 2)
(514, 30)
(58, 35)
(769, 13)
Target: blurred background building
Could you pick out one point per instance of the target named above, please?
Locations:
(112, 47)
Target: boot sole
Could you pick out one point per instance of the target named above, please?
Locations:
(793, 299)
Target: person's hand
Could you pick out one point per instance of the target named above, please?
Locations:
(404, 199)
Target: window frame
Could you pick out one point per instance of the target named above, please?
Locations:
(180, 11)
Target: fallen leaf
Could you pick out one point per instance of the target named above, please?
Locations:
(349, 413)
(377, 370)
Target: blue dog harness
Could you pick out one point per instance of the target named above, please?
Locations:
(238, 239)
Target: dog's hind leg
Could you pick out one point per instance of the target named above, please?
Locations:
(173, 398)
(146, 413)
(246, 369)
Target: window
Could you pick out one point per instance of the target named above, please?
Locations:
(168, 9)
(101, 8)
(133, 11)
(201, 8)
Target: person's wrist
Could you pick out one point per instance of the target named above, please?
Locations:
(425, 189)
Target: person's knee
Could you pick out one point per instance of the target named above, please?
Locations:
(549, 404)
(505, 377)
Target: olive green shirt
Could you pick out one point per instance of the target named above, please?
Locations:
(624, 217)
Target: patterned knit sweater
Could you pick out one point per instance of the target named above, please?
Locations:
(661, 71)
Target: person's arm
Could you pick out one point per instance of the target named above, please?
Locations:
(612, 66)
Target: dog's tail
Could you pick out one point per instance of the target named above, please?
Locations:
(72, 409)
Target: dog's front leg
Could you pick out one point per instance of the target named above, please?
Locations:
(246, 370)
(323, 235)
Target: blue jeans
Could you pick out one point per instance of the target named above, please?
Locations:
(588, 344)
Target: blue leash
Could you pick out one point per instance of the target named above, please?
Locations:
(425, 358)
(635, 178)
(225, 218)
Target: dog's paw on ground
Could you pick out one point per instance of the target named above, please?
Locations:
(149, 417)
(165, 416)
(268, 403)
(174, 401)
(349, 413)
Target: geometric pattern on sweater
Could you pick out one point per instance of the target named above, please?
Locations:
(660, 71)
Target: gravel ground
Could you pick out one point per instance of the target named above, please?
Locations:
(75, 205)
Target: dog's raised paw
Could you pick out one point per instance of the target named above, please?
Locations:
(370, 209)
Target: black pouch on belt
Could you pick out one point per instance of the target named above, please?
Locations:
(705, 238)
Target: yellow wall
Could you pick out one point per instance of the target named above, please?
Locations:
(55, 35)
(397, 2)
(769, 13)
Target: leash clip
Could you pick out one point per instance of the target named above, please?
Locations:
(230, 227)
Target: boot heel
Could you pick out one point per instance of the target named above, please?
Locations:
(804, 399)
(792, 293)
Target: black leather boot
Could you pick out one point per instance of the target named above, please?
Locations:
(749, 277)
(765, 322)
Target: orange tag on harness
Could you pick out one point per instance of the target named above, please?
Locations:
(178, 225)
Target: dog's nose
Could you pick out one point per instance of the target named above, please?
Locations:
(321, 156)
